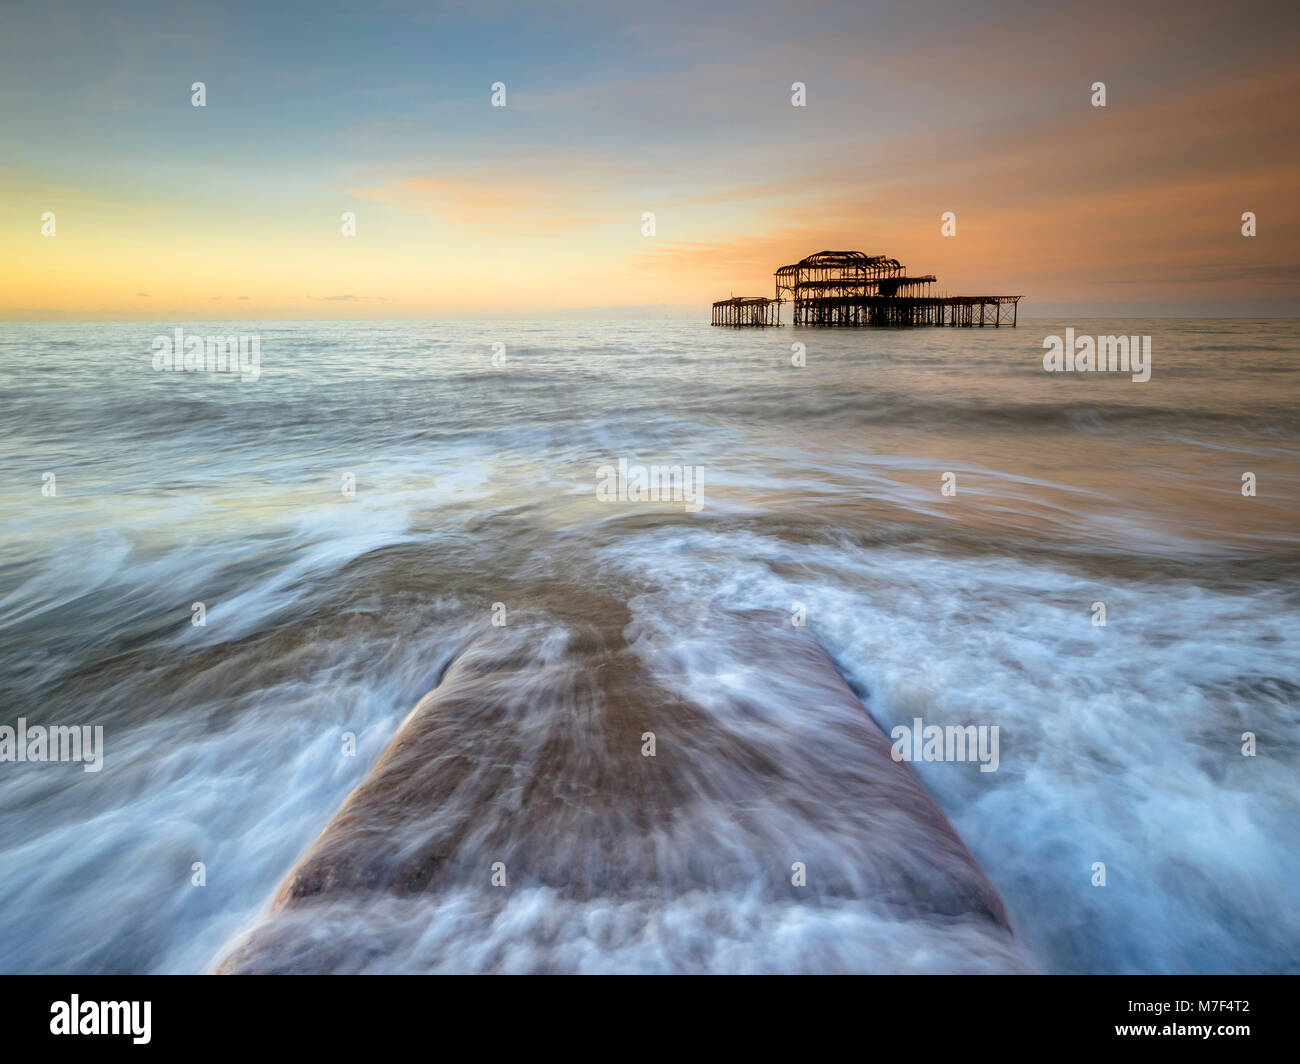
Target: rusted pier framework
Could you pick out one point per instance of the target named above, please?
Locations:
(747, 310)
(907, 310)
(850, 288)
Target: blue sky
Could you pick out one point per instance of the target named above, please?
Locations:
(683, 110)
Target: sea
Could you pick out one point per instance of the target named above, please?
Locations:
(248, 579)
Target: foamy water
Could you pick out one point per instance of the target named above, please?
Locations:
(475, 484)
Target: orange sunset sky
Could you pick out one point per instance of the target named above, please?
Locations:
(167, 211)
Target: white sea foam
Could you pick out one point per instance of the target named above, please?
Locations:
(1119, 745)
(691, 931)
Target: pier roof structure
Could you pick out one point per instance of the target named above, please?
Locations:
(854, 288)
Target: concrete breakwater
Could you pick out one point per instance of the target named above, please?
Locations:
(554, 805)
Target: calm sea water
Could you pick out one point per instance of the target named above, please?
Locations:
(475, 484)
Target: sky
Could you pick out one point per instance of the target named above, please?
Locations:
(233, 211)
